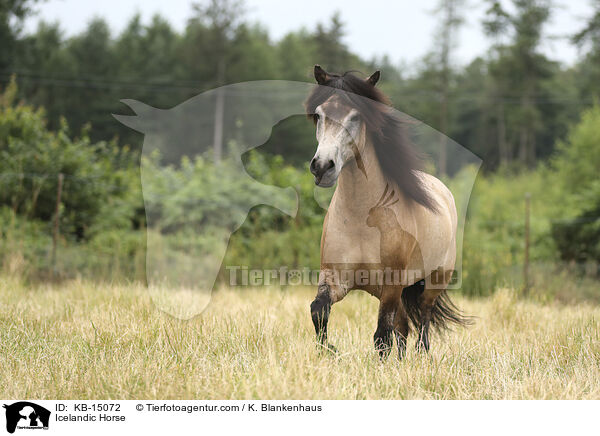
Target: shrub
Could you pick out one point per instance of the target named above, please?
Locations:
(577, 165)
(96, 175)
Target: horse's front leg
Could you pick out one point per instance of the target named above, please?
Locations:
(319, 310)
(328, 293)
(388, 307)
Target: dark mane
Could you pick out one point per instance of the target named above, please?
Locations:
(397, 157)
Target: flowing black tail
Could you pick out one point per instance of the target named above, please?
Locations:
(443, 314)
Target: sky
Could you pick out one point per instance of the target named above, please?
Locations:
(403, 30)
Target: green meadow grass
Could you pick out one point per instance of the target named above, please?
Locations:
(81, 340)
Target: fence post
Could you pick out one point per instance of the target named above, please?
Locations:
(55, 231)
(526, 260)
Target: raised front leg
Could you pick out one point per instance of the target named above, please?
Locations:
(319, 311)
(329, 292)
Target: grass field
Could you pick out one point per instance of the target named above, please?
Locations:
(81, 340)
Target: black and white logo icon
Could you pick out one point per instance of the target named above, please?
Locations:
(26, 415)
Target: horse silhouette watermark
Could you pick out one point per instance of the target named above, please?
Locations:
(180, 274)
(26, 415)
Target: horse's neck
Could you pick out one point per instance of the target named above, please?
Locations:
(360, 184)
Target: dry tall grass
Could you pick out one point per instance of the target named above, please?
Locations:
(84, 340)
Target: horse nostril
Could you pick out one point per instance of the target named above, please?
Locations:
(313, 166)
(319, 167)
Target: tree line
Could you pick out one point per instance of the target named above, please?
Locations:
(509, 105)
(532, 120)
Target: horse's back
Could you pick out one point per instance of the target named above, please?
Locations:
(442, 197)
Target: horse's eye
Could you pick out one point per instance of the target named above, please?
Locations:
(355, 118)
(316, 117)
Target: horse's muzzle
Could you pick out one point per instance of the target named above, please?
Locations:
(323, 171)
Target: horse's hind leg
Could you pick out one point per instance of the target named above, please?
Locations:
(432, 305)
(426, 303)
(401, 331)
(388, 307)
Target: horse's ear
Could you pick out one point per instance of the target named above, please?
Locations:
(374, 78)
(321, 75)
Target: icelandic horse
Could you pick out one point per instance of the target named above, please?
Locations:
(386, 215)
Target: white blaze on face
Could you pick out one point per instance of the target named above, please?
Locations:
(336, 134)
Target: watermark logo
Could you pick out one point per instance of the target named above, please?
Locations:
(197, 193)
(242, 275)
(25, 415)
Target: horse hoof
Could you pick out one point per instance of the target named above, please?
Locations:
(332, 348)
(327, 348)
(383, 354)
(421, 347)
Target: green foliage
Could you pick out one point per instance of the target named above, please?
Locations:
(518, 73)
(24, 244)
(82, 78)
(193, 205)
(494, 234)
(98, 178)
(511, 108)
(507, 107)
(576, 165)
(579, 240)
(268, 239)
(102, 203)
(12, 14)
(564, 224)
(577, 162)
